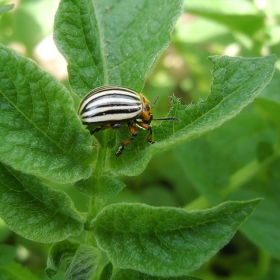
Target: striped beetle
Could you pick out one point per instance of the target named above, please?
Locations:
(111, 106)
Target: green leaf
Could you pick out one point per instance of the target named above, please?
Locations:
(127, 274)
(5, 9)
(240, 15)
(210, 161)
(40, 132)
(241, 154)
(35, 211)
(237, 81)
(105, 43)
(106, 272)
(102, 187)
(83, 264)
(58, 252)
(166, 241)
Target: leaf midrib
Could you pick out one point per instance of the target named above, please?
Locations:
(102, 46)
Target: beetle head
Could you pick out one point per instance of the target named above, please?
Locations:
(146, 114)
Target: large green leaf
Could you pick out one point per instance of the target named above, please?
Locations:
(166, 241)
(40, 132)
(113, 43)
(35, 211)
(237, 81)
(102, 47)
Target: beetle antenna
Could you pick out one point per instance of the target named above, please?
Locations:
(155, 102)
(167, 119)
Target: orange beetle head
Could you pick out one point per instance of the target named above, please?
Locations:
(146, 114)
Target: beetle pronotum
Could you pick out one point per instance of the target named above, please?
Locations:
(110, 106)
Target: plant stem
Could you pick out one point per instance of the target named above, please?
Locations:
(236, 180)
(263, 264)
(95, 205)
(245, 174)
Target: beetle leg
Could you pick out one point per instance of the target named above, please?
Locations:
(133, 132)
(147, 127)
(111, 126)
(95, 130)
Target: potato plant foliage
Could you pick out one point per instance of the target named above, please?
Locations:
(44, 146)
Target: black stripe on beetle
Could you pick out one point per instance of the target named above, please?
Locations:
(110, 106)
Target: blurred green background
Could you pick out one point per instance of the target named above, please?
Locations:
(239, 160)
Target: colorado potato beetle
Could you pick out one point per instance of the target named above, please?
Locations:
(111, 106)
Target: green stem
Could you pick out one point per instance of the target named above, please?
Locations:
(263, 264)
(95, 205)
(245, 174)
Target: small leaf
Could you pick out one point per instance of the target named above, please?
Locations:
(166, 241)
(58, 252)
(127, 274)
(106, 272)
(40, 132)
(35, 211)
(237, 81)
(103, 187)
(83, 264)
(105, 43)
(6, 8)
